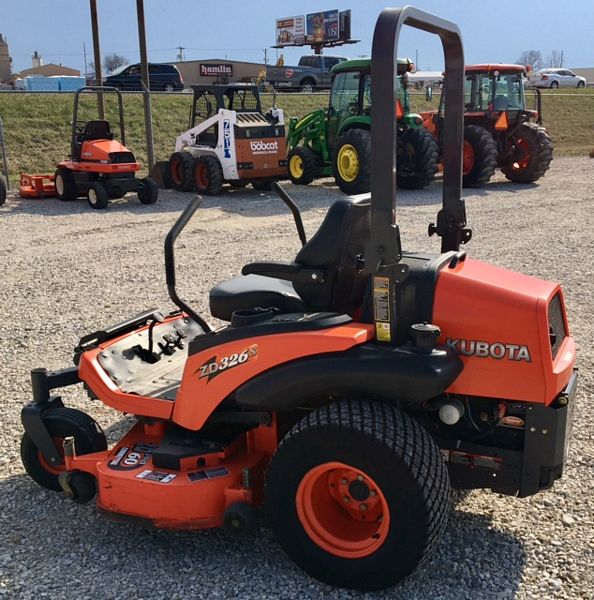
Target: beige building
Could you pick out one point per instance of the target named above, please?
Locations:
(5, 60)
(49, 70)
(587, 73)
(218, 70)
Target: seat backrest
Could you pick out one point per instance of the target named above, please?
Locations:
(501, 102)
(335, 248)
(97, 130)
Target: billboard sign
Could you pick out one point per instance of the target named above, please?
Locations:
(290, 31)
(322, 27)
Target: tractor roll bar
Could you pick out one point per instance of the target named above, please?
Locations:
(99, 90)
(384, 246)
(174, 232)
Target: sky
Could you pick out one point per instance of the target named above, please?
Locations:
(492, 31)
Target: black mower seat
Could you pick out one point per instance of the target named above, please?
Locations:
(97, 130)
(326, 276)
(250, 291)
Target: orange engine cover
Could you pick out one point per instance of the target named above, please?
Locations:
(498, 321)
(100, 149)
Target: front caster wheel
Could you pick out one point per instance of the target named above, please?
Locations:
(61, 423)
(358, 494)
(78, 486)
(98, 196)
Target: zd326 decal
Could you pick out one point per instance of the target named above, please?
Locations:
(215, 366)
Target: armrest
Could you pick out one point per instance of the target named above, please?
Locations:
(287, 271)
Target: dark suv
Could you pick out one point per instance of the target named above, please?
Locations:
(161, 77)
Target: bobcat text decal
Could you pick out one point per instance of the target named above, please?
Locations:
(490, 350)
(215, 366)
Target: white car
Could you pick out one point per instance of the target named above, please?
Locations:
(554, 78)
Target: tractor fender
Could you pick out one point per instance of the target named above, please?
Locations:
(354, 122)
(403, 374)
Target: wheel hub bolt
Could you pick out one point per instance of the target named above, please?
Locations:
(373, 493)
(344, 481)
(363, 507)
(346, 499)
(359, 477)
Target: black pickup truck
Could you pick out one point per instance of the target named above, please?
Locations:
(312, 73)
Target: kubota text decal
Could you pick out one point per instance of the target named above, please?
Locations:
(495, 350)
(215, 366)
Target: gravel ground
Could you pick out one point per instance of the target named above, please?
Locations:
(67, 270)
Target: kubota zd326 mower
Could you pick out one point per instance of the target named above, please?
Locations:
(99, 166)
(349, 391)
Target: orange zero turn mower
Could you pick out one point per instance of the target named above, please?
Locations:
(349, 390)
(100, 167)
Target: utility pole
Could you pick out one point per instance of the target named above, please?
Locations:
(561, 60)
(85, 59)
(265, 56)
(417, 58)
(180, 56)
(97, 53)
(144, 74)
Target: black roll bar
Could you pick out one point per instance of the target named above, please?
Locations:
(384, 246)
(99, 90)
(177, 228)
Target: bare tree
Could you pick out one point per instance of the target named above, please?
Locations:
(113, 61)
(532, 58)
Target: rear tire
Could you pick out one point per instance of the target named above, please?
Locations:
(532, 153)
(351, 161)
(65, 185)
(348, 462)
(480, 156)
(302, 165)
(181, 171)
(97, 196)
(2, 192)
(208, 175)
(61, 423)
(418, 155)
(148, 192)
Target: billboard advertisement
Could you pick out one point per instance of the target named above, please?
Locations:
(322, 27)
(290, 31)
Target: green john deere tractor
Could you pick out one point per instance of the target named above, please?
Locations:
(337, 140)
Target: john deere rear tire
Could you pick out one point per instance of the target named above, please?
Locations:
(148, 192)
(480, 156)
(61, 423)
(357, 494)
(97, 196)
(302, 165)
(2, 192)
(65, 185)
(418, 155)
(208, 175)
(351, 161)
(532, 153)
(181, 171)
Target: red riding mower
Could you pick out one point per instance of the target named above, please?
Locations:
(349, 391)
(99, 166)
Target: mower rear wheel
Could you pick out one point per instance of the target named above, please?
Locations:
(148, 193)
(61, 423)
(65, 185)
(2, 192)
(97, 196)
(351, 161)
(181, 171)
(303, 166)
(357, 494)
(531, 154)
(418, 155)
(208, 175)
(480, 156)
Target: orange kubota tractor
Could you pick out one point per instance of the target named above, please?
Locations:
(349, 390)
(99, 166)
(499, 129)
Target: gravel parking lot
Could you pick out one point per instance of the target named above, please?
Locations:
(66, 270)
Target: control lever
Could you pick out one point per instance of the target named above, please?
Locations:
(147, 354)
